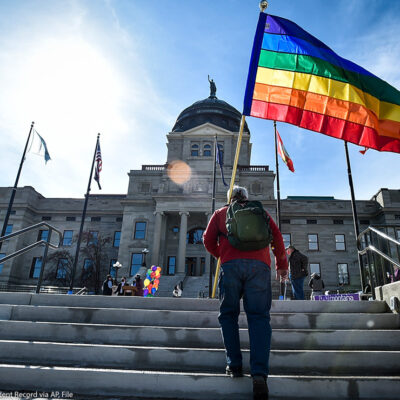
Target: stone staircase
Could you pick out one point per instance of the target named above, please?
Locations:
(167, 348)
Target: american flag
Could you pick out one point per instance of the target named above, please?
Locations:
(99, 164)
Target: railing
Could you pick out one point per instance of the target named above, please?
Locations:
(5, 287)
(154, 167)
(45, 243)
(379, 266)
(81, 291)
(253, 168)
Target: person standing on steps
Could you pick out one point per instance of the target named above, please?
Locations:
(240, 234)
(298, 270)
(317, 285)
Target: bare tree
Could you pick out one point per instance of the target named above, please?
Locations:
(95, 251)
(96, 261)
(59, 268)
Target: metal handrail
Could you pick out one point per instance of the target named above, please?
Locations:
(81, 291)
(45, 243)
(373, 249)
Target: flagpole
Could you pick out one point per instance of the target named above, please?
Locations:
(78, 244)
(278, 190)
(355, 217)
(213, 209)
(234, 169)
(14, 189)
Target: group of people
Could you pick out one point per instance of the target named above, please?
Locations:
(240, 234)
(109, 283)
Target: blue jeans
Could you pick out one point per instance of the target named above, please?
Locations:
(250, 279)
(297, 287)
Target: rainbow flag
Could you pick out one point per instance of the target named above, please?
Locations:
(295, 78)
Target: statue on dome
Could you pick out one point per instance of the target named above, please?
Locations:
(213, 88)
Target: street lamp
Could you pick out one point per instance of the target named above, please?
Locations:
(117, 266)
(144, 252)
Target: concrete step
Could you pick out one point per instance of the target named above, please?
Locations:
(206, 319)
(283, 339)
(144, 384)
(128, 302)
(168, 359)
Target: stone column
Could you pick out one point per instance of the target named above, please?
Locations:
(208, 255)
(155, 255)
(182, 243)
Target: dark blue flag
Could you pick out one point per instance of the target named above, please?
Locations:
(220, 161)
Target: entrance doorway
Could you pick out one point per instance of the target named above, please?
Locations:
(190, 266)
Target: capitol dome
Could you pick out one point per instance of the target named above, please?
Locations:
(213, 110)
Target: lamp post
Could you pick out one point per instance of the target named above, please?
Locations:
(144, 252)
(117, 266)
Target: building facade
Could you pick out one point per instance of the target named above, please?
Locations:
(167, 207)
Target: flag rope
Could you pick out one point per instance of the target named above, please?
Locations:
(233, 177)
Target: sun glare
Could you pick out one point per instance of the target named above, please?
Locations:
(70, 80)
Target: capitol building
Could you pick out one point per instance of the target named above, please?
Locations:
(167, 207)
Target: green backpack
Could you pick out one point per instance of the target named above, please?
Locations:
(248, 226)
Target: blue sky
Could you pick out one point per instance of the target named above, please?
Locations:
(127, 68)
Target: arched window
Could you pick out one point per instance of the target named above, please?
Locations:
(195, 236)
(195, 150)
(207, 150)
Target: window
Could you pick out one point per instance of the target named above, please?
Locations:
(92, 237)
(87, 270)
(70, 219)
(8, 229)
(397, 216)
(46, 218)
(144, 187)
(13, 212)
(119, 219)
(171, 265)
(315, 268)
(398, 234)
(2, 255)
(343, 274)
(286, 239)
(112, 270)
(312, 242)
(67, 238)
(35, 267)
(43, 234)
(140, 230)
(286, 221)
(311, 221)
(117, 238)
(195, 150)
(340, 242)
(338, 222)
(136, 263)
(95, 219)
(175, 229)
(364, 221)
(195, 236)
(62, 268)
(207, 150)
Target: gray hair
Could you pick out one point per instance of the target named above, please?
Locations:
(238, 193)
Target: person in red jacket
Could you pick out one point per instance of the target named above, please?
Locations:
(247, 275)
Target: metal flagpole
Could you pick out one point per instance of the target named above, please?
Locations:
(14, 189)
(355, 218)
(78, 244)
(282, 284)
(239, 142)
(278, 191)
(213, 209)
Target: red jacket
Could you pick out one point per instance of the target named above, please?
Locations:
(219, 246)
